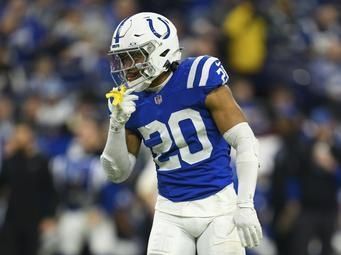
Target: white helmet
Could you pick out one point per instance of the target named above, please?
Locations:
(150, 37)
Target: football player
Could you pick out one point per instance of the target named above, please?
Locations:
(185, 113)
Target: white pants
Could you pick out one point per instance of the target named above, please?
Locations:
(74, 229)
(176, 235)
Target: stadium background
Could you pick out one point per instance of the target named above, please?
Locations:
(284, 62)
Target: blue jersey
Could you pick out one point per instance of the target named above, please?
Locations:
(191, 156)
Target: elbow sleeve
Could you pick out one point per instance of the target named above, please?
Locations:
(242, 139)
(118, 172)
(116, 161)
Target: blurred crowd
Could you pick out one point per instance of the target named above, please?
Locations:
(284, 62)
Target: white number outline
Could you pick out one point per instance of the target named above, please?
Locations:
(174, 131)
(221, 71)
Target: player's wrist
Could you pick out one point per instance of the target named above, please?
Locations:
(245, 204)
(116, 125)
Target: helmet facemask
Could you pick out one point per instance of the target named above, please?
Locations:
(132, 68)
(143, 46)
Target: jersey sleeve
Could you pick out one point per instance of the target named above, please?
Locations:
(206, 73)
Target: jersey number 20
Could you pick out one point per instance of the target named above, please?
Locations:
(175, 132)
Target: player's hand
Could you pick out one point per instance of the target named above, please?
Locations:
(248, 226)
(121, 112)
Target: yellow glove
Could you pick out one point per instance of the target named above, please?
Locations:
(117, 94)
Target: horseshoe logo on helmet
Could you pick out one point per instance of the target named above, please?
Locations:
(117, 33)
(151, 26)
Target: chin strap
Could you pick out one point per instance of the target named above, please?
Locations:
(140, 83)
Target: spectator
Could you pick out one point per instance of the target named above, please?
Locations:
(246, 31)
(290, 159)
(81, 183)
(26, 182)
(318, 187)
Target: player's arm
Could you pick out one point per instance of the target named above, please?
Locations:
(232, 124)
(119, 155)
(133, 142)
(224, 109)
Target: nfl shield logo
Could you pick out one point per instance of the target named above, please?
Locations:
(158, 99)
